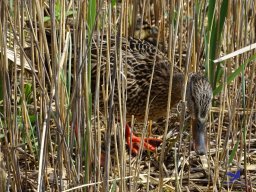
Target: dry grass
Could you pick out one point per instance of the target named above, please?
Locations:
(45, 92)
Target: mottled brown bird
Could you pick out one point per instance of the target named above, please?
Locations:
(138, 57)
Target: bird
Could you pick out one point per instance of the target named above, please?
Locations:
(145, 31)
(138, 58)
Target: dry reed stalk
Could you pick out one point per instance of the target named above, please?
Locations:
(40, 107)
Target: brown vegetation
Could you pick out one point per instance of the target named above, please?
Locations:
(45, 94)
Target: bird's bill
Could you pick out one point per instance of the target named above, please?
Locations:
(199, 137)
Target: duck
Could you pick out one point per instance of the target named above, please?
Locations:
(138, 58)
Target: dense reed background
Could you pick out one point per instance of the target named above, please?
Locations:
(46, 93)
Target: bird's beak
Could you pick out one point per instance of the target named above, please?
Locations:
(199, 137)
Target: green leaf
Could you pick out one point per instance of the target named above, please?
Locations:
(57, 7)
(46, 18)
(69, 13)
(58, 12)
(113, 186)
(219, 73)
(234, 74)
(213, 39)
(223, 14)
(2, 136)
(28, 92)
(232, 155)
(32, 119)
(1, 92)
(113, 3)
(91, 14)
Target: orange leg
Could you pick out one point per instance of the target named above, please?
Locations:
(134, 142)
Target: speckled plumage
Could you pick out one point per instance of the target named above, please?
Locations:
(138, 57)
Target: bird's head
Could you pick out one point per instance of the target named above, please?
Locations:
(199, 97)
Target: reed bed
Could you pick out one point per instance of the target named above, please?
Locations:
(46, 96)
